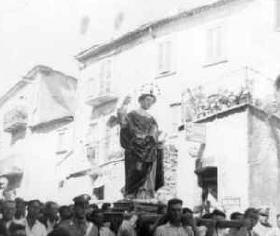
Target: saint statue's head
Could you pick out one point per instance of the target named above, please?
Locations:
(148, 93)
(146, 100)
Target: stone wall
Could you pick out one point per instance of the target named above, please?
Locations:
(170, 163)
(263, 161)
(114, 176)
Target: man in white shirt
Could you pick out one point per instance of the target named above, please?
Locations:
(97, 218)
(50, 218)
(251, 217)
(263, 226)
(174, 225)
(128, 226)
(275, 231)
(33, 226)
(79, 225)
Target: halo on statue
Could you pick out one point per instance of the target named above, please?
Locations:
(148, 89)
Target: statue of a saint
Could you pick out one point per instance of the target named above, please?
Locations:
(139, 136)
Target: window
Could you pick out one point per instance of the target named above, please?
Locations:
(99, 192)
(62, 141)
(91, 153)
(92, 143)
(91, 136)
(215, 47)
(91, 87)
(277, 14)
(105, 78)
(1, 141)
(164, 57)
(108, 138)
(112, 144)
(176, 117)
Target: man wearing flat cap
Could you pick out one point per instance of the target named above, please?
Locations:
(263, 226)
(79, 226)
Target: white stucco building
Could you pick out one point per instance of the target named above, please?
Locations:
(222, 45)
(37, 133)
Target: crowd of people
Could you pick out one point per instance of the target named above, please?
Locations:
(33, 218)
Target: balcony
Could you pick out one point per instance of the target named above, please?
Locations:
(15, 119)
(99, 93)
(232, 89)
(207, 172)
(102, 98)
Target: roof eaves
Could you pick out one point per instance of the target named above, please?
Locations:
(12, 91)
(143, 30)
(30, 76)
(33, 72)
(42, 68)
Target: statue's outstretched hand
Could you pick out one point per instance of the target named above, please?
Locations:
(126, 100)
(122, 111)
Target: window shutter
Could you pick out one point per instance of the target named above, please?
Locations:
(218, 43)
(91, 153)
(277, 14)
(168, 56)
(214, 50)
(102, 79)
(105, 78)
(160, 57)
(108, 77)
(62, 141)
(164, 57)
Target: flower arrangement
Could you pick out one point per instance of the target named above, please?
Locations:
(198, 104)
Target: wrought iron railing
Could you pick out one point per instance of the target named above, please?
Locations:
(252, 87)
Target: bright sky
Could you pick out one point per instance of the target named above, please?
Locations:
(36, 32)
(46, 32)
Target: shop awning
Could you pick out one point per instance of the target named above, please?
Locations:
(90, 171)
(11, 169)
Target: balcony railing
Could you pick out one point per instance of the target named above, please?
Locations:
(15, 119)
(99, 99)
(245, 86)
(97, 96)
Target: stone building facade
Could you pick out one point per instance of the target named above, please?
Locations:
(36, 117)
(223, 47)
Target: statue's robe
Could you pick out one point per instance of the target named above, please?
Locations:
(143, 155)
